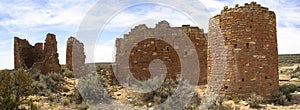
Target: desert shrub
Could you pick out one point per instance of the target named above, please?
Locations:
(68, 74)
(254, 100)
(236, 99)
(194, 102)
(92, 90)
(295, 75)
(158, 94)
(218, 104)
(99, 68)
(76, 97)
(14, 89)
(56, 77)
(47, 84)
(82, 106)
(278, 98)
(287, 90)
(107, 79)
(65, 101)
(167, 88)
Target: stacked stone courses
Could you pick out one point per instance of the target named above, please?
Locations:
(249, 35)
(75, 57)
(238, 54)
(38, 58)
(147, 50)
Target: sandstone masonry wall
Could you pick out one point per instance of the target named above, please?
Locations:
(249, 34)
(40, 57)
(148, 50)
(75, 57)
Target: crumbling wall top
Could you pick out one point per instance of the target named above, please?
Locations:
(253, 6)
(248, 7)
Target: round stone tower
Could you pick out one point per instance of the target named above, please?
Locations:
(247, 35)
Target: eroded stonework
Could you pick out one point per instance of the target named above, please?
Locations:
(249, 35)
(75, 57)
(38, 58)
(149, 49)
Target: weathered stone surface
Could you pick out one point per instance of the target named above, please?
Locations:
(149, 49)
(41, 57)
(249, 35)
(75, 57)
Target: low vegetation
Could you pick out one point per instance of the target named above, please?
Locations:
(254, 100)
(287, 89)
(289, 58)
(278, 98)
(15, 87)
(20, 90)
(283, 95)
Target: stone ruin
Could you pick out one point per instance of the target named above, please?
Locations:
(249, 35)
(75, 57)
(245, 37)
(38, 58)
(150, 49)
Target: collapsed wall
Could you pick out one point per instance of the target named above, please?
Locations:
(249, 35)
(75, 57)
(38, 58)
(149, 49)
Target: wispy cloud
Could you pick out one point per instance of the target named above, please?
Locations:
(33, 19)
(131, 17)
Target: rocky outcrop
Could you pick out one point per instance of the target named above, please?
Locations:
(38, 58)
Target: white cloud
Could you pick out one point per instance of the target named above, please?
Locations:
(288, 19)
(33, 19)
(30, 14)
(214, 6)
(103, 53)
(8, 62)
(61, 49)
(126, 20)
(288, 40)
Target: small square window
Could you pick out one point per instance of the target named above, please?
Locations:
(225, 87)
(247, 45)
(235, 45)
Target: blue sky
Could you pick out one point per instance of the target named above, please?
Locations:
(33, 19)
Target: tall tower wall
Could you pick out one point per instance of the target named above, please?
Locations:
(249, 35)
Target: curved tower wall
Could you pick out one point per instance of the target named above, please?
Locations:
(249, 35)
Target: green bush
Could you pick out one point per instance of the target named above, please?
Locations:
(14, 89)
(65, 101)
(68, 74)
(82, 106)
(76, 97)
(278, 98)
(254, 100)
(167, 88)
(92, 90)
(218, 104)
(236, 99)
(287, 90)
(47, 84)
(99, 68)
(194, 102)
